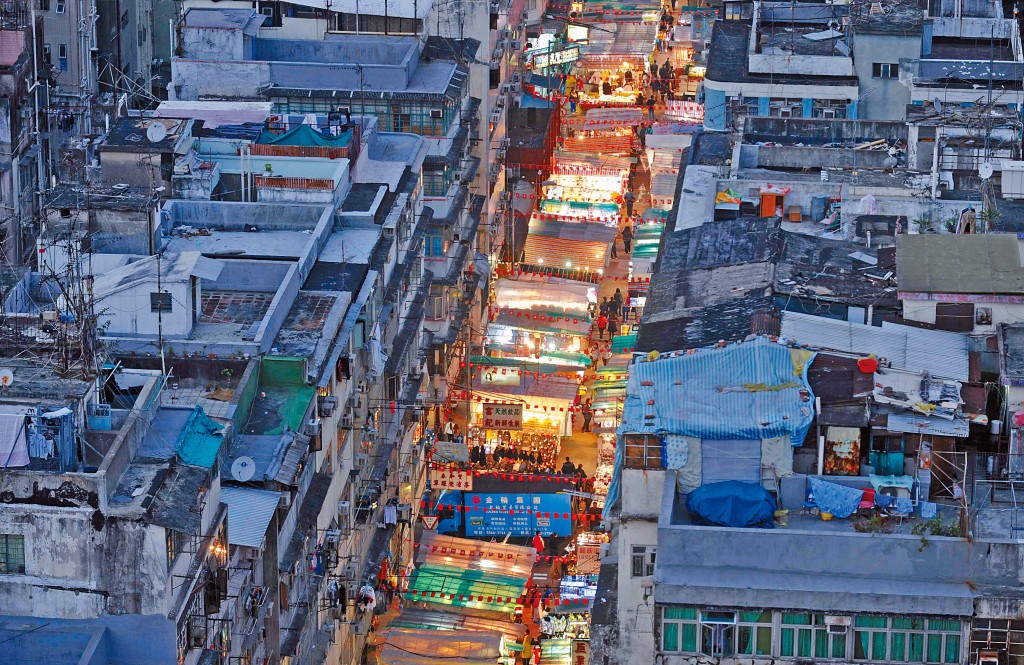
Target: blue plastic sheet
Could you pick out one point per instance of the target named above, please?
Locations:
(732, 503)
(839, 500)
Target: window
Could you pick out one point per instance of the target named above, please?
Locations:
(62, 57)
(642, 451)
(643, 560)
(785, 108)
(46, 53)
(829, 108)
(434, 245)
(954, 316)
(829, 638)
(754, 633)
(885, 70)
(12, 554)
(679, 630)
(907, 640)
(61, 6)
(124, 20)
(159, 302)
(797, 635)
(717, 634)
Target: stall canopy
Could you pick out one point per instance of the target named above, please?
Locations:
(514, 560)
(466, 589)
(544, 293)
(575, 163)
(601, 141)
(430, 647)
(612, 118)
(250, 511)
(559, 245)
(417, 619)
(619, 42)
(602, 211)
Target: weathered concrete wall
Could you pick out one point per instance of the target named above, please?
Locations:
(813, 131)
(212, 44)
(204, 79)
(883, 99)
(261, 276)
(800, 157)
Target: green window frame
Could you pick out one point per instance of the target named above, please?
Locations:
(907, 639)
(679, 629)
(754, 633)
(12, 554)
(797, 636)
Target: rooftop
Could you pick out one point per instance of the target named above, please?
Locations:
(215, 114)
(898, 17)
(728, 60)
(956, 263)
(1011, 355)
(247, 20)
(133, 134)
(117, 197)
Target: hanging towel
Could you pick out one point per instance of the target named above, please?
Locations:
(928, 510)
(13, 442)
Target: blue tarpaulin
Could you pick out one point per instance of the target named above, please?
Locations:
(839, 500)
(732, 503)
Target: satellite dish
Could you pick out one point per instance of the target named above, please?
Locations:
(6, 377)
(985, 170)
(243, 469)
(156, 132)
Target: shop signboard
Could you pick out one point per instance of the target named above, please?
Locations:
(581, 652)
(451, 479)
(520, 515)
(502, 416)
(500, 376)
(554, 58)
(588, 558)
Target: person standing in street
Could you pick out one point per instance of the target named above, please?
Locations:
(606, 355)
(602, 324)
(538, 542)
(588, 414)
(618, 299)
(650, 105)
(630, 198)
(627, 238)
(613, 325)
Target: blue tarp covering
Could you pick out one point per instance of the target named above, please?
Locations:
(732, 503)
(834, 498)
(750, 391)
(200, 441)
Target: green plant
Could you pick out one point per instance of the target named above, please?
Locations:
(936, 527)
(924, 224)
(873, 524)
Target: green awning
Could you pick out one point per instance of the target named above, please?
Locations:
(459, 587)
(306, 137)
(623, 342)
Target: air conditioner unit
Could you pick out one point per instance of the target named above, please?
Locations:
(404, 512)
(350, 572)
(456, 237)
(501, 155)
(500, 101)
(344, 510)
(355, 401)
(359, 628)
(332, 536)
(515, 45)
(406, 477)
(828, 113)
(328, 405)
(361, 387)
(436, 114)
(352, 588)
(836, 629)
(831, 620)
(313, 426)
(337, 613)
(506, 34)
(495, 6)
(362, 459)
(346, 421)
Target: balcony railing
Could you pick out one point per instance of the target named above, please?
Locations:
(279, 182)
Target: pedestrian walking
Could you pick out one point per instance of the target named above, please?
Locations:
(613, 325)
(538, 541)
(618, 299)
(602, 324)
(615, 251)
(606, 355)
(568, 467)
(650, 106)
(605, 306)
(588, 414)
(654, 70)
(627, 237)
(630, 199)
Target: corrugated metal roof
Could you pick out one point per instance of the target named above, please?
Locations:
(249, 514)
(917, 424)
(943, 354)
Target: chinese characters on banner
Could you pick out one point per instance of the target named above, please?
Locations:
(451, 479)
(588, 559)
(503, 416)
(581, 652)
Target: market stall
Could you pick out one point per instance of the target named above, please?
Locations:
(611, 142)
(586, 164)
(547, 402)
(490, 593)
(516, 634)
(405, 646)
(561, 245)
(612, 118)
(467, 554)
(603, 211)
(544, 294)
(556, 651)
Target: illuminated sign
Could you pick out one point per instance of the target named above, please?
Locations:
(503, 416)
(553, 58)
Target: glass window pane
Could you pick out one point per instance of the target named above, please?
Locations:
(861, 639)
(680, 613)
(908, 623)
(764, 641)
(718, 617)
(756, 617)
(878, 646)
(689, 644)
(934, 649)
(746, 640)
(839, 646)
(821, 644)
(898, 646)
(870, 621)
(670, 636)
(796, 619)
(944, 624)
(787, 641)
(952, 649)
(805, 642)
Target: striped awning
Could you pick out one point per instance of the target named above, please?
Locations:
(604, 142)
(610, 118)
(568, 245)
